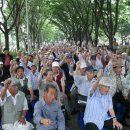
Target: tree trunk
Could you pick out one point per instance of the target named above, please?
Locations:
(96, 36)
(17, 36)
(6, 35)
(111, 42)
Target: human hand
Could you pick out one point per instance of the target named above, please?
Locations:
(45, 122)
(99, 74)
(22, 120)
(6, 83)
(117, 124)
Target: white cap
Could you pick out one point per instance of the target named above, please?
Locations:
(1, 63)
(55, 64)
(124, 53)
(106, 81)
(83, 65)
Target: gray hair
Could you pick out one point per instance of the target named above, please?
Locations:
(50, 85)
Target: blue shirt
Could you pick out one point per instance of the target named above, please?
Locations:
(97, 108)
(52, 112)
(83, 84)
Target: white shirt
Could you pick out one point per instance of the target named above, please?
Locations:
(14, 99)
(97, 108)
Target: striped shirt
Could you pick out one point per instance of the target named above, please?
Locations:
(97, 108)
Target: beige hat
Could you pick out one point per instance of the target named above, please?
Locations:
(117, 63)
(106, 81)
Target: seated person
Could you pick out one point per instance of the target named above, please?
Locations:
(99, 103)
(47, 111)
(13, 102)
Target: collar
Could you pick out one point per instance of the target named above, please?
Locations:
(9, 94)
(20, 78)
(44, 103)
(91, 81)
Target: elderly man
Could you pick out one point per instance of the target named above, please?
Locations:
(119, 89)
(47, 111)
(13, 102)
(99, 103)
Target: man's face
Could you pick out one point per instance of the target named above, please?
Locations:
(90, 75)
(93, 62)
(25, 60)
(68, 60)
(55, 69)
(6, 52)
(104, 89)
(82, 71)
(13, 89)
(50, 95)
(118, 70)
(33, 69)
(49, 76)
(20, 73)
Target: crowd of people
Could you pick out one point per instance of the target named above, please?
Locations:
(46, 87)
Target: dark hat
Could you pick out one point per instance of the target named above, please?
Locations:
(90, 68)
(57, 59)
(69, 56)
(93, 57)
(5, 49)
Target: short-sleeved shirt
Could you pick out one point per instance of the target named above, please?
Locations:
(97, 108)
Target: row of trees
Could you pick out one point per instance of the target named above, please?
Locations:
(89, 19)
(78, 19)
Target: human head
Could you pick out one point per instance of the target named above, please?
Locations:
(49, 74)
(6, 51)
(104, 85)
(25, 60)
(50, 93)
(90, 72)
(20, 72)
(68, 58)
(13, 86)
(82, 68)
(33, 68)
(55, 67)
(117, 66)
(93, 59)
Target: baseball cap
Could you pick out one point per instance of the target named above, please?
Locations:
(90, 68)
(55, 64)
(83, 65)
(69, 55)
(106, 81)
(93, 57)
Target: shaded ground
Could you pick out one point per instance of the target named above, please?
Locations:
(73, 124)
